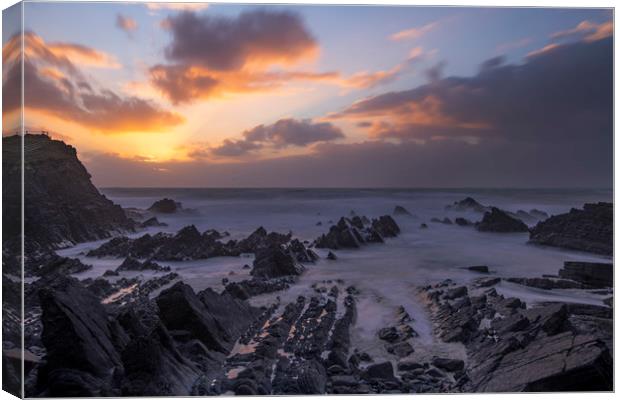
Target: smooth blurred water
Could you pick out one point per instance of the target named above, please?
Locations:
(387, 274)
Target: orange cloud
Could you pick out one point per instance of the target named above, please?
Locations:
(588, 30)
(414, 33)
(55, 86)
(127, 24)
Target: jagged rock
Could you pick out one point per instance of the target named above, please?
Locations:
(384, 371)
(487, 282)
(81, 343)
(389, 334)
(386, 226)
(399, 210)
(165, 206)
(449, 364)
(153, 221)
(253, 287)
(131, 264)
(181, 309)
(63, 206)
(331, 256)
(597, 275)
(497, 220)
(462, 221)
(301, 253)
(590, 229)
(468, 204)
(423, 226)
(274, 262)
(341, 235)
(52, 264)
(261, 239)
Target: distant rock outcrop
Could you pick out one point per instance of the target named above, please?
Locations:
(63, 207)
(497, 220)
(165, 206)
(468, 204)
(351, 233)
(590, 229)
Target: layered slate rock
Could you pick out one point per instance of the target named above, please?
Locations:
(597, 275)
(351, 233)
(275, 262)
(553, 347)
(497, 220)
(63, 206)
(589, 229)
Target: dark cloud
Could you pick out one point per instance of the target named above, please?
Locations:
(222, 43)
(179, 85)
(563, 94)
(66, 95)
(283, 133)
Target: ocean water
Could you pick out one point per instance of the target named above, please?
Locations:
(387, 274)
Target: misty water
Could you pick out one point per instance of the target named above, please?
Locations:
(386, 274)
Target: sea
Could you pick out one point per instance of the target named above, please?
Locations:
(387, 275)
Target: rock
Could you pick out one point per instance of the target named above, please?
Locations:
(409, 366)
(331, 256)
(562, 362)
(312, 378)
(468, 204)
(342, 235)
(253, 287)
(152, 222)
(383, 371)
(596, 275)
(131, 264)
(344, 380)
(63, 207)
(52, 264)
(449, 364)
(462, 221)
(483, 269)
(386, 226)
(80, 342)
(389, 334)
(455, 293)
(110, 272)
(301, 253)
(497, 220)
(165, 206)
(589, 229)
(401, 350)
(423, 226)
(487, 282)
(538, 214)
(547, 283)
(399, 210)
(274, 262)
(181, 309)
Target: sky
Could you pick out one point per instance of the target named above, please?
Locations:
(224, 95)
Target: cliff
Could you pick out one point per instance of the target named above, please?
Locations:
(62, 206)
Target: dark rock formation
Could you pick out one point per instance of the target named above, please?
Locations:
(462, 221)
(131, 264)
(468, 204)
(275, 262)
(63, 206)
(189, 244)
(400, 210)
(152, 222)
(331, 256)
(51, 264)
(590, 229)
(483, 269)
(597, 275)
(351, 233)
(497, 220)
(165, 206)
(547, 283)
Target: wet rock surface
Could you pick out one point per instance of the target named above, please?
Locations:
(165, 206)
(589, 229)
